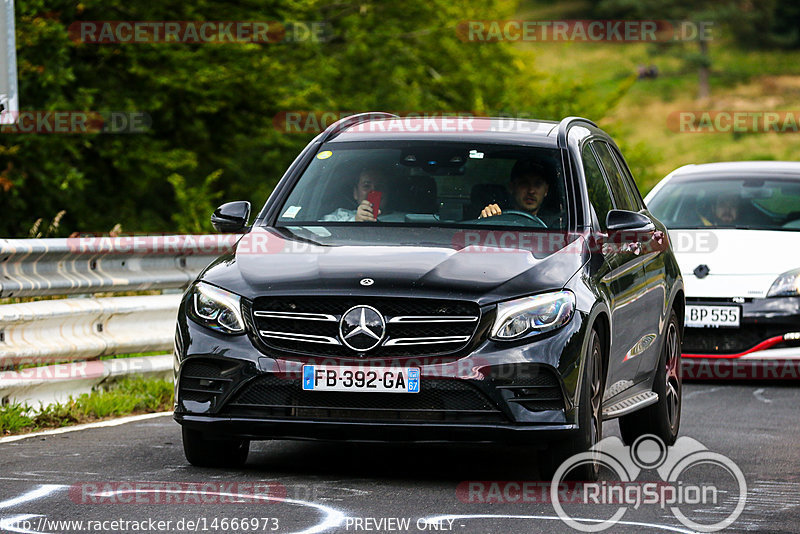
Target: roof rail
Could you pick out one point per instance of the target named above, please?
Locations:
(342, 124)
(563, 128)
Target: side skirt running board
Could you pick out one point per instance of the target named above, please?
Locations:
(629, 405)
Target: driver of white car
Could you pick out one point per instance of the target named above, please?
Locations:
(529, 185)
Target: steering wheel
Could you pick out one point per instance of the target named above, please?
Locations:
(537, 222)
(792, 220)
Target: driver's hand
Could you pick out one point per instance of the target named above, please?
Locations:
(364, 212)
(491, 209)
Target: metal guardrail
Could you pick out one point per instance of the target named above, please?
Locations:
(85, 328)
(51, 267)
(55, 383)
(74, 329)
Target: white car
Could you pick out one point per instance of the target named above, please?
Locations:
(735, 230)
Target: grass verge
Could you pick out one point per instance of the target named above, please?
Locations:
(741, 80)
(128, 396)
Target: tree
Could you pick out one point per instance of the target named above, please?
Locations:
(211, 106)
(694, 14)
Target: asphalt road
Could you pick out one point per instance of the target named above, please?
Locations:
(135, 474)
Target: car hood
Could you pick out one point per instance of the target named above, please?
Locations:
(432, 262)
(741, 263)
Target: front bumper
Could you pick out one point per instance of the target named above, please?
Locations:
(769, 330)
(349, 431)
(486, 395)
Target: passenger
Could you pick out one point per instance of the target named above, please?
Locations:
(529, 185)
(369, 179)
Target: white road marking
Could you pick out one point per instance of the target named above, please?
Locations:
(695, 393)
(759, 394)
(42, 491)
(76, 428)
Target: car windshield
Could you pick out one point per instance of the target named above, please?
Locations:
(429, 184)
(737, 202)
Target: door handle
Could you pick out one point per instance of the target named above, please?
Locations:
(633, 248)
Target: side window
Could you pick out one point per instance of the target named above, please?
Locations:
(599, 195)
(633, 189)
(622, 198)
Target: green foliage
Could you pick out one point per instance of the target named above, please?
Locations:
(56, 415)
(212, 106)
(13, 417)
(194, 203)
(127, 396)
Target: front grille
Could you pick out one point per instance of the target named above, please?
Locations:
(727, 340)
(438, 400)
(414, 327)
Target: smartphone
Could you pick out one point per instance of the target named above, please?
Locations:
(374, 198)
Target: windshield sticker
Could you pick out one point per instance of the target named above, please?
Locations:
(474, 154)
(319, 230)
(291, 212)
(325, 154)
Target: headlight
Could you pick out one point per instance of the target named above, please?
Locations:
(216, 308)
(533, 315)
(787, 285)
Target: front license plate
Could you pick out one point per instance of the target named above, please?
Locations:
(712, 316)
(375, 379)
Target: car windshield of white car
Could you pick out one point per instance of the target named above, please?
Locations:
(430, 184)
(729, 202)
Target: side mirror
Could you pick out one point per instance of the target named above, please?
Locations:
(231, 218)
(619, 220)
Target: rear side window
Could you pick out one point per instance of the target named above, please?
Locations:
(633, 189)
(599, 195)
(622, 197)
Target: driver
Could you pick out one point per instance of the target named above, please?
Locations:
(724, 211)
(529, 185)
(369, 179)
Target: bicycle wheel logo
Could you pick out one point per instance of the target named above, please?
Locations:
(672, 491)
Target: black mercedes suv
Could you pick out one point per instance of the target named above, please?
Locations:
(449, 279)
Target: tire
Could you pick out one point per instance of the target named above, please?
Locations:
(203, 452)
(663, 419)
(590, 420)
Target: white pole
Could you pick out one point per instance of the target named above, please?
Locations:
(9, 98)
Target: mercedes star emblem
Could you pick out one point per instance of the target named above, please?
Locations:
(367, 281)
(362, 328)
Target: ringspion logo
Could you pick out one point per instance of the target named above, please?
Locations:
(687, 500)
